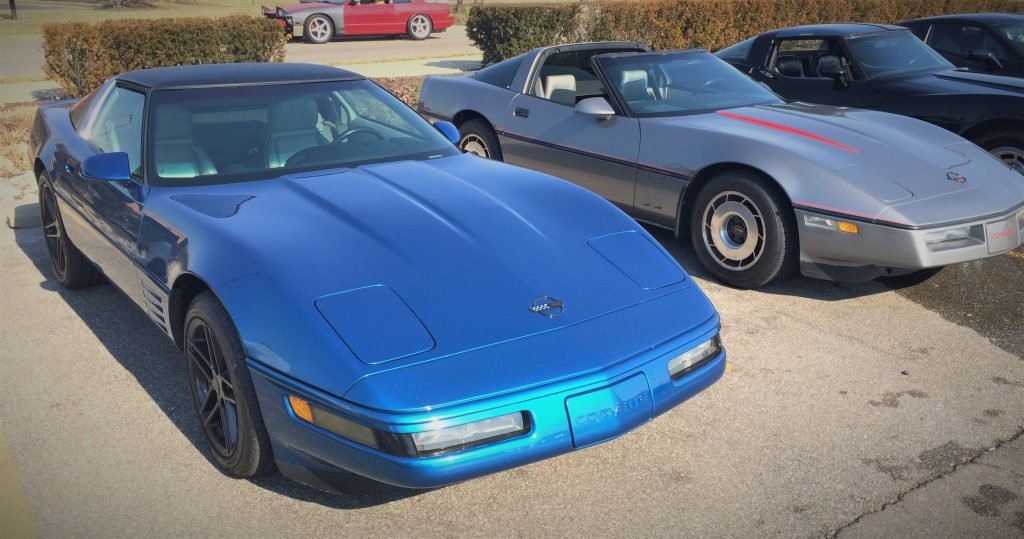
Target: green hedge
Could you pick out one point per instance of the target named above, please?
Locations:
(505, 31)
(80, 56)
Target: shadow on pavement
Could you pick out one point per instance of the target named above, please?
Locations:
(356, 39)
(145, 352)
(985, 295)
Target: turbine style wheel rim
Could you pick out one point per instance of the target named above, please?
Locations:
(420, 26)
(319, 28)
(733, 231)
(475, 145)
(214, 394)
(53, 233)
(1014, 157)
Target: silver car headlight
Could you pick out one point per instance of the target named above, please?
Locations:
(694, 357)
(486, 431)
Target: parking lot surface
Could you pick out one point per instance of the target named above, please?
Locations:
(848, 409)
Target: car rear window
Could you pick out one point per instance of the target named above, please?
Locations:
(738, 51)
(501, 74)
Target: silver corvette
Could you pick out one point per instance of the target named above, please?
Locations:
(761, 186)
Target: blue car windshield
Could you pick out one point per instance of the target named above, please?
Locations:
(228, 134)
(890, 54)
(678, 83)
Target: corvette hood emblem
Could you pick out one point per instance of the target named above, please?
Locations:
(956, 177)
(547, 306)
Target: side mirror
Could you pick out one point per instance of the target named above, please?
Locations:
(837, 74)
(449, 130)
(108, 167)
(597, 107)
(986, 56)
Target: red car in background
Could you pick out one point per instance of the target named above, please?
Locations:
(319, 21)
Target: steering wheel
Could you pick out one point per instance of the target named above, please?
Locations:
(356, 131)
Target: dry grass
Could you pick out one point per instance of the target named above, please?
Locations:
(16, 123)
(405, 88)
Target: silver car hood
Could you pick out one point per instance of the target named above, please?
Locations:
(892, 163)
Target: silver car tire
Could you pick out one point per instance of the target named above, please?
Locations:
(319, 29)
(477, 137)
(419, 27)
(743, 230)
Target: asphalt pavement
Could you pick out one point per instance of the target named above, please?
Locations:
(846, 409)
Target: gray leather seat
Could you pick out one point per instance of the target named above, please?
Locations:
(561, 89)
(634, 86)
(292, 129)
(176, 153)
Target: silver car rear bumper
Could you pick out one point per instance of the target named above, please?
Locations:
(878, 250)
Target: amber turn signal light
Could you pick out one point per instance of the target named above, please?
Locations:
(301, 408)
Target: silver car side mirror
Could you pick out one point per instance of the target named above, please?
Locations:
(597, 107)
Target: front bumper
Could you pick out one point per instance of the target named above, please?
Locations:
(321, 459)
(880, 250)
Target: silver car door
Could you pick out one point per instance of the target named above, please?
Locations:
(550, 136)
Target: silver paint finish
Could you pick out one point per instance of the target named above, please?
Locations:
(884, 171)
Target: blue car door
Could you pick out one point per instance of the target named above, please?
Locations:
(110, 212)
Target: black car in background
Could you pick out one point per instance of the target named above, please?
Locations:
(887, 68)
(983, 42)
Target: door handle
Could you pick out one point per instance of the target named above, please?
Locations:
(68, 168)
(522, 113)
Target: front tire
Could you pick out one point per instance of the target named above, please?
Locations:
(319, 29)
(1007, 145)
(71, 268)
(743, 232)
(222, 391)
(419, 27)
(477, 137)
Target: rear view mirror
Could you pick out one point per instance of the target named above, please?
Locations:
(597, 107)
(449, 130)
(835, 73)
(986, 56)
(109, 167)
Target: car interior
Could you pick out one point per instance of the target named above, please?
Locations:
(809, 58)
(960, 39)
(206, 137)
(568, 77)
(682, 83)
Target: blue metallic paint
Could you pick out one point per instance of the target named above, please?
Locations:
(464, 243)
(449, 130)
(111, 167)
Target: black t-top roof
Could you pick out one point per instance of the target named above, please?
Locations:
(207, 75)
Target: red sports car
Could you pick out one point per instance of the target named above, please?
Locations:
(319, 21)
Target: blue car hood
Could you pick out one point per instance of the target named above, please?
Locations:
(337, 276)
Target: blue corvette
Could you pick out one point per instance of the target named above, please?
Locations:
(351, 293)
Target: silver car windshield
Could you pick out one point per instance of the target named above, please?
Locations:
(226, 134)
(679, 83)
(890, 54)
